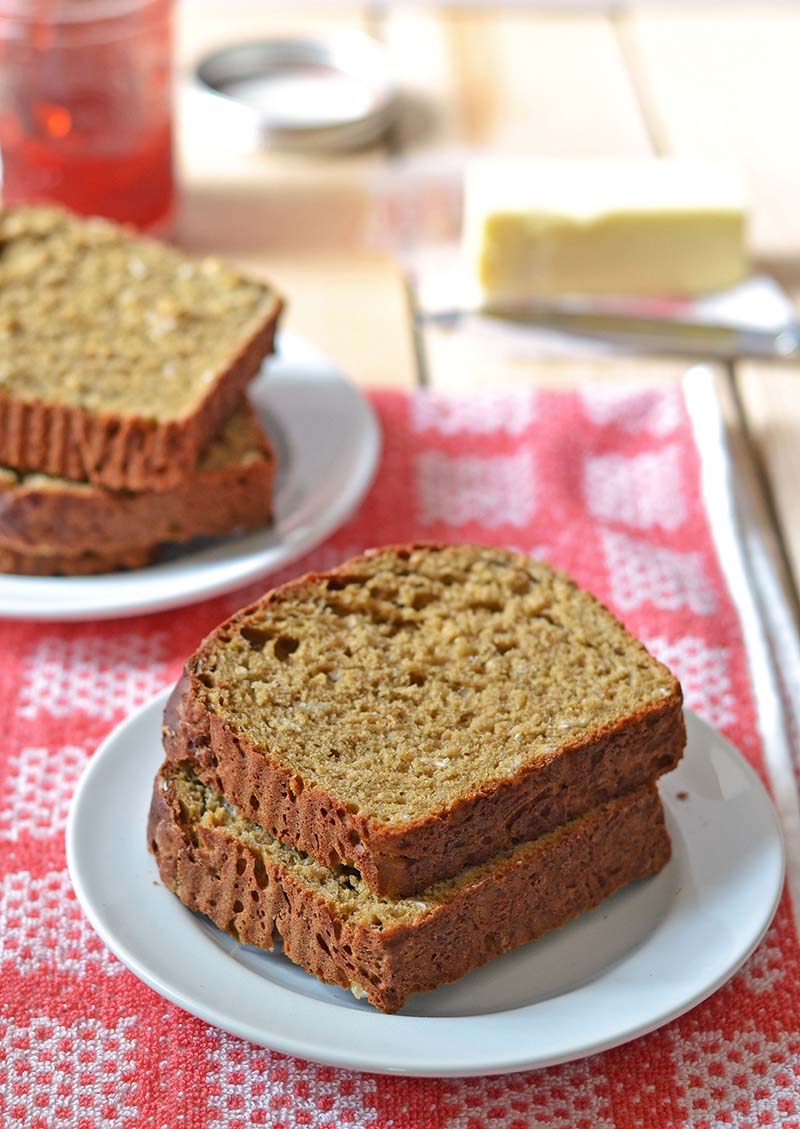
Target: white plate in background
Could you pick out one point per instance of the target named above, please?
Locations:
(327, 441)
(641, 958)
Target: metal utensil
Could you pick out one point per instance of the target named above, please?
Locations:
(648, 334)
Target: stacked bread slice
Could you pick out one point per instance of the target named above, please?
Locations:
(123, 368)
(412, 764)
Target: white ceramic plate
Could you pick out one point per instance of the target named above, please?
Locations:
(645, 956)
(328, 442)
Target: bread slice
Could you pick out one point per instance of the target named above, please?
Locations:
(119, 357)
(331, 924)
(231, 490)
(87, 563)
(422, 707)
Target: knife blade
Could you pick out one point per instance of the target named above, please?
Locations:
(689, 338)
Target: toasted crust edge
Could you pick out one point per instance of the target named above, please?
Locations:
(398, 861)
(128, 453)
(207, 503)
(530, 891)
(23, 563)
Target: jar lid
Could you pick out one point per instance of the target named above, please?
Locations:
(305, 95)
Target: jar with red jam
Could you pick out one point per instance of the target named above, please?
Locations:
(86, 107)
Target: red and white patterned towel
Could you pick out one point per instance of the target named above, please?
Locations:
(603, 482)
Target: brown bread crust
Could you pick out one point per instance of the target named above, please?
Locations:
(396, 861)
(73, 521)
(400, 861)
(527, 892)
(128, 453)
(75, 564)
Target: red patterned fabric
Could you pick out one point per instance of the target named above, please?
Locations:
(602, 482)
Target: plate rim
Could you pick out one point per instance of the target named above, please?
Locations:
(139, 601)
(314, 1047)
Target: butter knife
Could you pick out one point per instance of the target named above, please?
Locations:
(687, 338)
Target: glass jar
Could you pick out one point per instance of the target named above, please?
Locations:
(86, 106)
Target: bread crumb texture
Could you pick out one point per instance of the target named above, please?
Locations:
(93, 318)
(414, 676)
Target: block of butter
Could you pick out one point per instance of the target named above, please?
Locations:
(537, 229)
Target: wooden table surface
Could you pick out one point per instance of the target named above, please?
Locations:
(715, 82)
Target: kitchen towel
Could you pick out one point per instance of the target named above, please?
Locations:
(603, 480)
